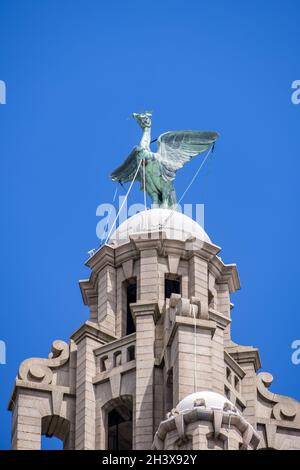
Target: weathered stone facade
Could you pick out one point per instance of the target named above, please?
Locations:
(122, 382)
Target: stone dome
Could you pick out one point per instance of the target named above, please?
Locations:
(177, 226)
(208, 400)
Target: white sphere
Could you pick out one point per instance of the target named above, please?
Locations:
(213, 401)
(177, 226)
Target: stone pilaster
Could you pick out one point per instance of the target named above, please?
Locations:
(249, 360)
(148, 281)
(26, 423)
(145, 316)
(198, 281)
(107, 296)
(85, 398)
(191, 355)
(87, 339)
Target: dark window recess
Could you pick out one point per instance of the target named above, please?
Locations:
(169, 391)
(172, 286)
(119, 431)
(131, 299)
(211, 300)
(131, 353)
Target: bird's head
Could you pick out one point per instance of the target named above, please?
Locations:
(143, 119)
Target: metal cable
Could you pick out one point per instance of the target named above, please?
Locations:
(123, 203)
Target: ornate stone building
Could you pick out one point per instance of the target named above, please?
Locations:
(154, 366)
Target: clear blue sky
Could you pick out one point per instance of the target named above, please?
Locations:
(74, 71)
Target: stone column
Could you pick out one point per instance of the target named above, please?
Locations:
(107, 296)
(248, 359)
(145, 315)
(148, 274)
(198, 282)
(183, 357)
(26, 423)
(86, 341)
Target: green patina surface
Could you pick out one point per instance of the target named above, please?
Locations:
(158, 169)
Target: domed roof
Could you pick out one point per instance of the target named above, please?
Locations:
(176, 225)
(208, 400)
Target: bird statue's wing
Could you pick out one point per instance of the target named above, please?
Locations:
(127, 170)
(176, 148)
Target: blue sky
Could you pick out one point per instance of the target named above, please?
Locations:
(74, 72)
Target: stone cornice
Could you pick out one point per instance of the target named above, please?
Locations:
(221, 421)
(105, 255)
(93, 331)
(204, 250)
(245, 355)
(234, 365)
(115, 344)
(22, 384)
(110, 256)
(286, 425)
(125, 252)
(188, 321)
(88, 290)
(145, 308)
(103, 376)
(148, 241)
(225, 273)
(221, 320)
(173, 247)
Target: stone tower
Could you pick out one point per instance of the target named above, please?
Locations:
(154, 367)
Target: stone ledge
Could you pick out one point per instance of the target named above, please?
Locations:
(145, 308)
(245, 355)
(103, 376)
(91, 330)
(115, 344)
(249, 435)
(229, 360)
(219, 318)
(188, 321)
(22, 384)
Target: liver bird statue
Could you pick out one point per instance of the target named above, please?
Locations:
(157, 170)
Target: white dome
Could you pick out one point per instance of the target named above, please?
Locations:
(212, 400)
(176, 226)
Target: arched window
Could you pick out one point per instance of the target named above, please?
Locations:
(119, 426)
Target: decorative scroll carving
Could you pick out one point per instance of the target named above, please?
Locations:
(283, 408)
(39, 369)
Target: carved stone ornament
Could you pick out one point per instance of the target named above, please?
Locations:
(39, 369)
(283, 408)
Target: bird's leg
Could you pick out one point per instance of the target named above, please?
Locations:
(151, 189)
(165, 193)
(154, 198)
